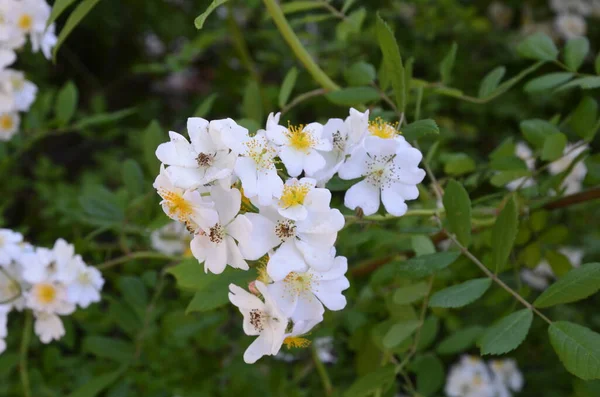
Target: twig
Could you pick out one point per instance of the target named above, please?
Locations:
(567, 201)
(303, 97)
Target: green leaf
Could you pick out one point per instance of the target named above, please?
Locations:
(135, 294)
(97, 384)
(102, 206)
(504, 233)
(576, 50)
(548, 81)
(353, 96)
(502, 178)
(66, 103)
(586, 83)
(287, 86)
(575, 285)
(392, 61)
(110, 348)
(133, 177)
(378, 379)
(104, 118)
(420, 129)
(422, 245)
(204, 108)
(507, 334)
(190, 275)
(57, 9)
(554, 145)
(577, 347)
(539, 47)
(411, 293)
(448, 64)
(535, 131)
(426, 265)
(200, 19)
(153, 136)
(462, 294)
(347, 5)
(301, 5)
(215, 292)
(583, 118)
(360, 74)
(399, 332)
(251, 103)
(74, 19)
(559, 263)
(430, 374)
(458, 211)
(460, 341)
(491, 81)
(459, 164)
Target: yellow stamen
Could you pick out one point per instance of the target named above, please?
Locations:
(383, 129)
(6, 122)
(46, 293)
(296, 341)
(176, 204)
(261, 268)
(294, 194)
(298, 282)
(299, 138)
(25, 22)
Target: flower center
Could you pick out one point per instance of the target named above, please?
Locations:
(299, 138)
(45, 293)
(257, 319)
(285, 229)
(382, 129)
(296, 341)
(338, 141)
(259, 150)
(294, 194)
(176, 204)
(84, 278)
(17, 83)
(205, 160)
(25, 22)
(376, 170)
(216, 233)
(6, 122)
(298, 283)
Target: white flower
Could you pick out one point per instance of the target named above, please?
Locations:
(171, 239)
(507, 374)
(260, 318)
(256, 168)
(205, 160)
(44, 265)
(22, 90)
(324, 346)
(7, 57)
(570, 26)
(299, 146)
(9, 125)
(390, 170)
(217, 246)
(10, 246)
(48, 327)
(85, 288)
(3, 327)
(469, 378)
(31, 16)
(49, 297)
(45, 41)
(187, 206)
(523, 152)
(301, 294)
(581, 7)
(572, 183)
(300, 196)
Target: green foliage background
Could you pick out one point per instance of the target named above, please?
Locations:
(83, 165)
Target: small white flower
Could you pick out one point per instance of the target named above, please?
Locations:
(469, 378)
(48, 327)
(580, 7)
(9, 125)
(31, 16)
(570, 26)
(45, 41)
(299, 146)
(324, 346)
(171, 239)
(542, 275)
(49, 297)
(85, 288)
(260, 318)
(217, 246)
(523, 152)
(187, 206)
(10, 246)
(507, 374)
(22, 90)
(301, 196)
(572, 183)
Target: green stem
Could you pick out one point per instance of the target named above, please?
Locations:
(290, 37)
(26, 339)
(135, 255)
(327, 386)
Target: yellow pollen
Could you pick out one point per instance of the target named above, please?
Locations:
(263, 276)
(383, 129)
(298, 282)
(294, 194)
(299, 138)
(46, 293)
(177, 205)
(296, 341)
(25, 22)
(6, 122)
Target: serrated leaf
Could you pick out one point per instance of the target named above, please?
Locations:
(74, 19)
(422, 245)
(460, 341)
(200, 19)
(430, 374)
(576, 50)
(420, 129)
(583, 118)
(287, 86)
(575, 285)
(460, 295)
(458, 211)
(504, 233)
(380, 378)
(586, 83)
(539, 47)
(535, 131)
(559, 263)
(392, 61)
(577, 347)
(360, 74)
(554, 146)
(411, 293)
(548, 81)
(507, 334)
(426, 265)
(448, 64)
(66, 103)
(399, 332)
(491, 81)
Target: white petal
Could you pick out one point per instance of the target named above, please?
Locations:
(234, 256)
(355, 166)
(363, 195)
(264, 238)
(243, 299)
(286, 259)
(393, 202)
(198, 131)
(308, 308)
(330, 293)
(293, 160)
(318, 200)
(227, 203)
(285, 298)
(245, 168)
(216, 258)
(313, 162)
(177, 152)
(260, 347)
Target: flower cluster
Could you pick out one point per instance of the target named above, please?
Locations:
(471, 377)
(20, 20)
(49, 282)
(261, 197)
(570, 16)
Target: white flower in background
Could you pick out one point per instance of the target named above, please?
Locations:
(541, 276)
(500, 14)
(299, 146)
(49, 297)
(48, 327)
(45, 265)
(217, 246)
(301, 196)
(7, 57)
(260, 318)
(171, 239)
(9, 125)
(579, 7)
(206, 159)
(31, 16)
(23, 91)
(10, 246)
(390, 170)
(507, 376)
(187, 206)
(86, 286)
(572, 183)
(324, 347)
(569, 26)
(44, 41)
(3, 327)
(301, 294)
(523, 152)
(469, 378)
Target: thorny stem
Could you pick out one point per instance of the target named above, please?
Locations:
(327, 386)
(135, 255)
(25, 340)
